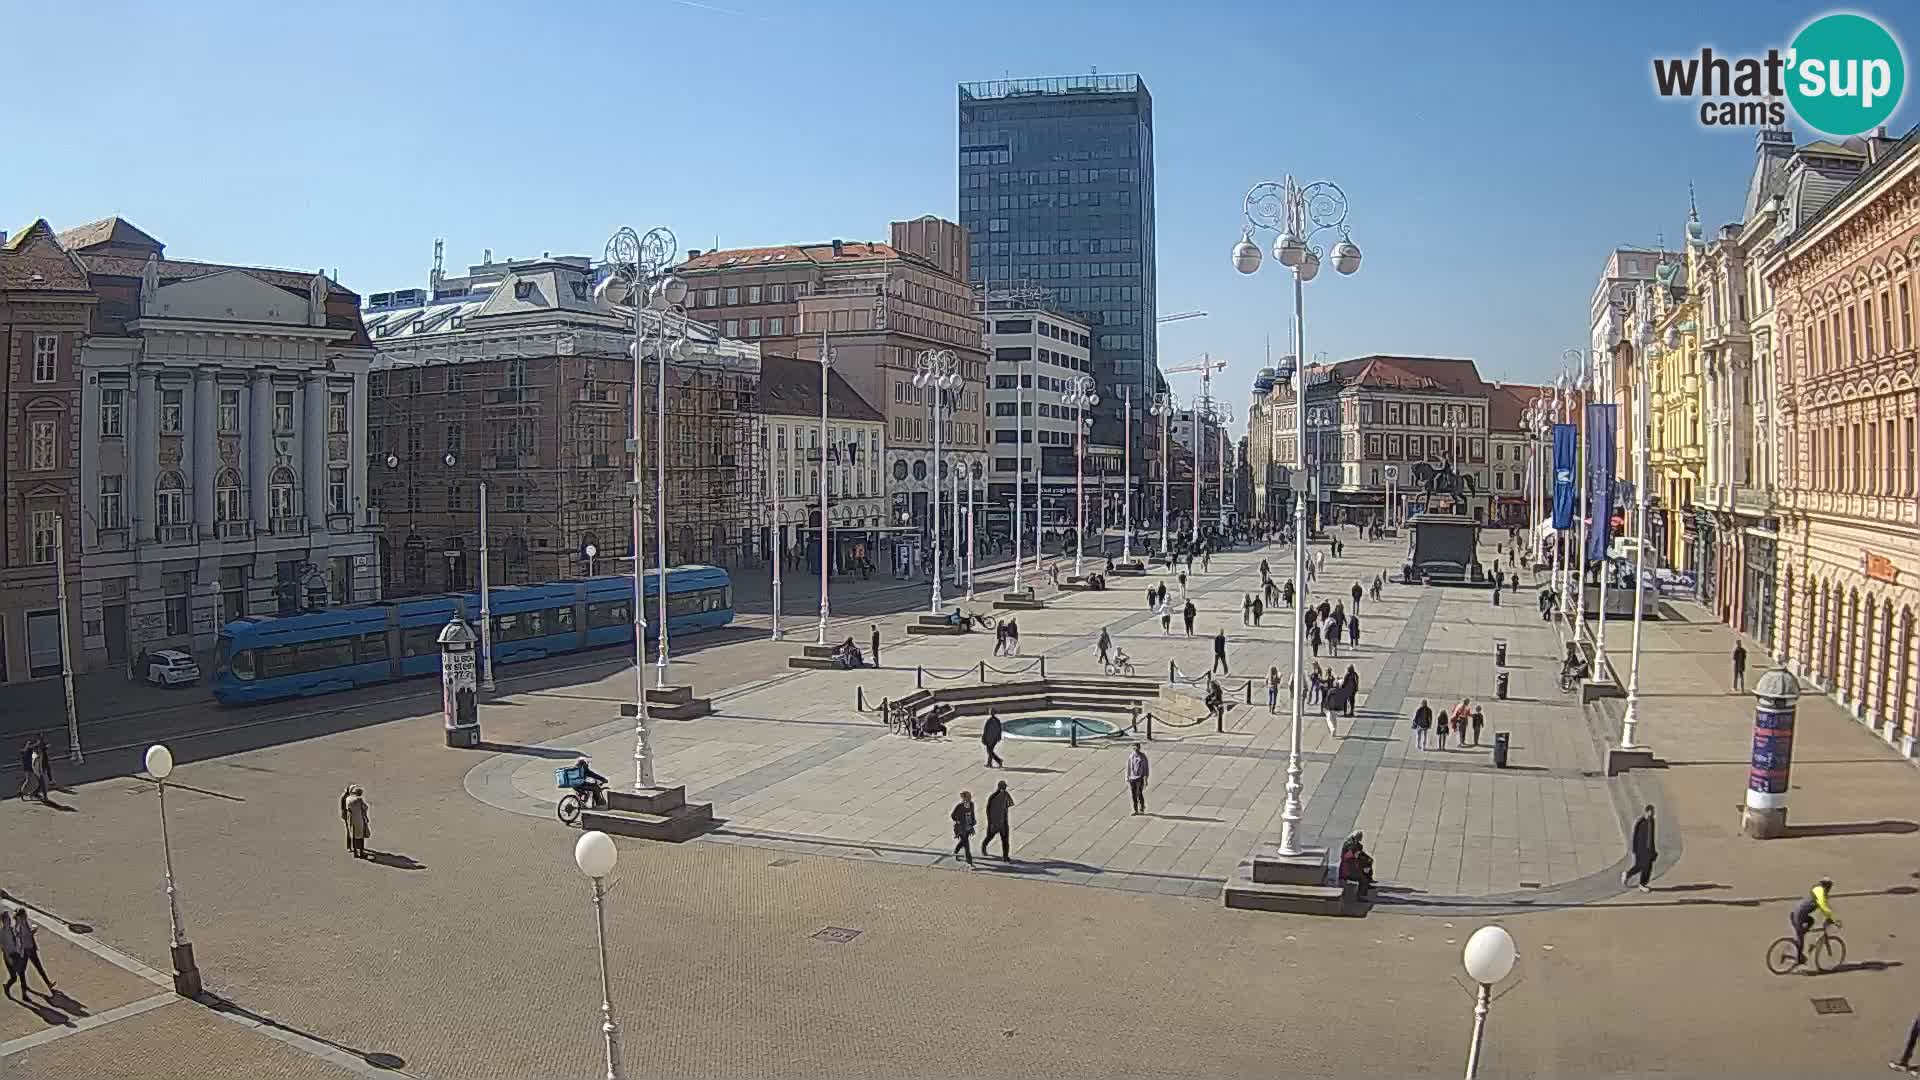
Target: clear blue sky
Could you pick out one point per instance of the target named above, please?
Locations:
(1493, 153)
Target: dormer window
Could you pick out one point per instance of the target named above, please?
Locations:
(522, 290)
(579, 289)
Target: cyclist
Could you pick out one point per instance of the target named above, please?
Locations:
(591, 785)
(1815, 900)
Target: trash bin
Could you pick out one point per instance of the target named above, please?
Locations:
(1500, 652)
(1500, 685)
(1500, 750)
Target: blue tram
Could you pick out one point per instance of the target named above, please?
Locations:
(341, 648)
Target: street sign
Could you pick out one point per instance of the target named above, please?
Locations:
(1392, 472)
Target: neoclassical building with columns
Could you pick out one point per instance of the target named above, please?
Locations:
(1845, 280)
(223, 464)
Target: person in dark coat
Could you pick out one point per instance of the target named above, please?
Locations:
(990, 738)
(1105, 646)
(998, 804)
(1496, 590)
(1186, 614)
(1645, 849)
(963, 826)
(1313, 637)
(1349, 688)
(1286, 592)
(1479, 721)
(1220, 653)
(1137, 772)
(1356, 865)
(1259, 609)
(1353, 630)
(1246, 609)
(1356, 596)
(1422, 723)
(1739, 666)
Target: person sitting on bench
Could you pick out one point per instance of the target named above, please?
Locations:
(1356, 865)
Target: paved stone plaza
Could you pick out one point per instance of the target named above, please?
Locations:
(792, 764)
(465, 948)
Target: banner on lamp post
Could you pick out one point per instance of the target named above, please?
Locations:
(1601, 423)
(1566, 439)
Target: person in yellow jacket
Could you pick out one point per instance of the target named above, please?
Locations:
(1815, 900)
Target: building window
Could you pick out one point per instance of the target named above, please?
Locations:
(1866, 323)
(229, 411)
(337, 412)
(178, 603)
(516, 496)
(456, 379)
(170, 411)
(111, 402)
(710, 298)
(46, 358)
(776, 327)
(110, 508)
(170, 499)
(753, 327)
(228, 504)
(733, 325)
(753, 294)
(1853, 335)
(42, 528)
(280, 496)
(283, 412)
(337, 490)
(776, 293)
(233, 593)
(43, 443)
(1906, 318)
(456, 436)
(733, 296)
(1886, 323)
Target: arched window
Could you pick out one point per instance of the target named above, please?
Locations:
(170, 499)
(282, 498)
(229, 500)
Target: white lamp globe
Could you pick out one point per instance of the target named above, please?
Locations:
(1346, 256)
(1490, 955)
(1309, 267)
(676, 290)
(611, 290)
(1289, 249)
(1246, 256)
(595, 854)
(159, 761)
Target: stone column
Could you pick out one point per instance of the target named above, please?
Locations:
(204, 434)
(259, 442)
(143, 450)
(313, 448)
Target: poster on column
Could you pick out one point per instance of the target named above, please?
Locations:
(1601, 420)
(1565, 444)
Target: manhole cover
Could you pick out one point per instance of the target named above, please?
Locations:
(1831, 1005)
(839, 935)
(1529, 884)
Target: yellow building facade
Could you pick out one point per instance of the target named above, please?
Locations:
(1677, 460)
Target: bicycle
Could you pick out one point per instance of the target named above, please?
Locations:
(573, 781)
(1825, 949)
(1119, 664)
(984, 622)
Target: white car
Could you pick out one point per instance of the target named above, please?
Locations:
(171, 667)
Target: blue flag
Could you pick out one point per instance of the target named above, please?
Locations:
(1566, 439)
(1601, 424)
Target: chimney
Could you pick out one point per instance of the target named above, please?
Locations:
(693, 253)
(836, 249)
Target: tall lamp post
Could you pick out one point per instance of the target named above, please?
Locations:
(1163, 407)
(974, 470)
(775, 477)
(1296, 213)
(826, 564)
(1020, 468)
(638, 275)
(937, 372)
(1643, 344)
(595, 855)
(1080, 395)
(1126, 501)
(186, 974)
(1489, 957)
(1319, 419)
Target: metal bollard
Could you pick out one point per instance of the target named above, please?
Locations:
(859, 699)
(1043, 666)
(1170, 678)
(983, 672)
(1073, 731)
(1220, 721)
(1149, 727)
(1249, 689)
(918, 675)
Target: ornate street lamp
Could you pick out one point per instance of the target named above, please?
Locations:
(937, 371)
(1081, 397)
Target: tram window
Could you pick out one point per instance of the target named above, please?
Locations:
(373, 647)
(609, 613)
(560, 620)
(242, 664)
(420, 641)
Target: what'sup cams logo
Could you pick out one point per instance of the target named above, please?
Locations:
(1843, 75)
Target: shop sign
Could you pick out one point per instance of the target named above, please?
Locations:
(1879, 567)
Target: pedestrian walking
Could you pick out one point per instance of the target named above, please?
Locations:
(1013, 637)
(998, 804)
(963, 825)
(358, 826)
(1313, 638)
(999, 639)
(29, 950)
(1220, 653)
(1496, 590)
(1353, 630)
(1739, 666)
(1422, 722)
(1461, 714)
(1286, 592)
(1265, 570)
(1479, 719)
(1166, 620)
(1350, 689)
(876, 644)
(1273, 688)
(1441, 723)
(30, 785)
(1183, 583)
(1332, 631)
(1246, 609)
(990, 737)
(10, 951)
(1206, 559)
(1332, 701)
(1259, 609)
(1905, 1061)
(345, 794)
(1137, 771)
(1151, 593)
(1356, 596)
(1105, 646)
(1645, 849)
(1186, 614)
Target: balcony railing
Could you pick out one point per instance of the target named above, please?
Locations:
(294, 525)
(234, 530)
(176, 534)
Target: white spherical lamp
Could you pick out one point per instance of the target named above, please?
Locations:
(1289, 249)
(1246, 256)
(1490, 955)
(1346, 256)
(159, 761)
(1309, 266)
(676, 289)
(595, 854)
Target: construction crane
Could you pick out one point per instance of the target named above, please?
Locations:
(1204, 408)
(1181, 317)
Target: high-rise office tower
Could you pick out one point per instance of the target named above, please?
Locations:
(1056, 191)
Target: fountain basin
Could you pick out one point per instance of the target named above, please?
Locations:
(1059, 728)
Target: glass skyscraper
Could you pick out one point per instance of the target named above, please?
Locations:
(1056, 191)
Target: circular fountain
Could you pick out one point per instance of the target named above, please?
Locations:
(1059, 728)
